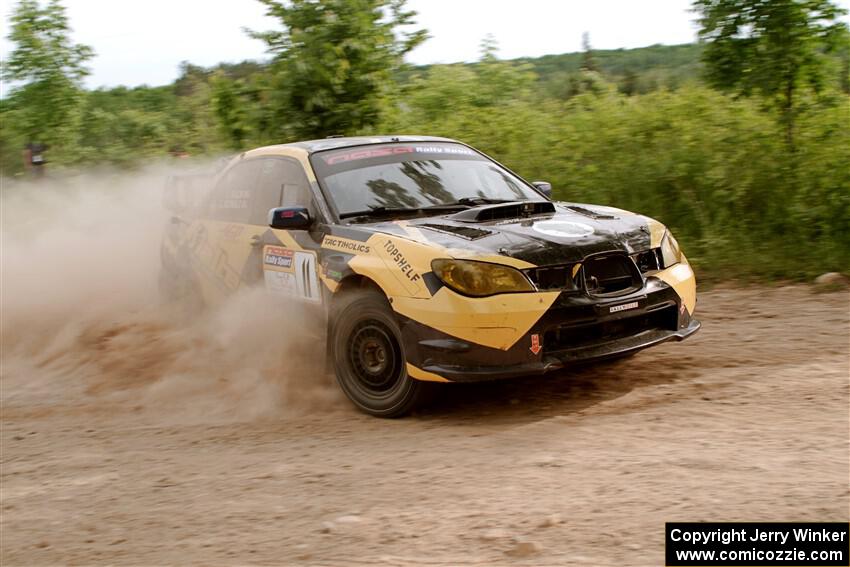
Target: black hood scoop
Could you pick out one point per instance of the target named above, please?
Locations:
(541, 233)
(467, 232)
(501, 211)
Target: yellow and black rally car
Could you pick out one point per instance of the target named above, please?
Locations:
(431, 262)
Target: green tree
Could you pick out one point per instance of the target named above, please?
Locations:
(46, 70)
(229, 110)
(498, 81)
(629, 84)
(588, 61)
(421, 103)
(333, 62)
(774, 48)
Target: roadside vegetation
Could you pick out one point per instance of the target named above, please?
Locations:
(741, 143)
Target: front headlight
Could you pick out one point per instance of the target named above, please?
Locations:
(670, 252)
(479, 279)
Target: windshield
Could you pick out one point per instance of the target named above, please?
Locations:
(413, 176)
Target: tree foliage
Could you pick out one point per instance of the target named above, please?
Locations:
(333, 62)
(46, 70)
(712, 167)
(588, 61)
(642, 131)
(774, 48)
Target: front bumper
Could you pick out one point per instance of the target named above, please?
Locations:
(576, 328)
(558, 360)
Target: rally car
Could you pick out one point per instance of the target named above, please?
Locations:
(430, 262)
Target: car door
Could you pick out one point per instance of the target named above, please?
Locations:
(290, 261)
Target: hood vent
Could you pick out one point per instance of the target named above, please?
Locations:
(589, 213)
(515, 210)
(466, 232)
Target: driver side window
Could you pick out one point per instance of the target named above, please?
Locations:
(296, 188)
(269, 193)
(282, 183)
(249, 189)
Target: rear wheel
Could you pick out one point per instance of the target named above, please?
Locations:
(369, 357)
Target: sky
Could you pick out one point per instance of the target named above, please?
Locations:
(143, 41)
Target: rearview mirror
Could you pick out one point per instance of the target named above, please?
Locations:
(290, 218)
(544, 187)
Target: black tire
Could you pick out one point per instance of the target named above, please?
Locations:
(368, 356)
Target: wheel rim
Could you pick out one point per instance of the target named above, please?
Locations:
(374, 357)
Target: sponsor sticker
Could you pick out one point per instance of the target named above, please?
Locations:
(401, 262)
(345, 245)
(335, 275)
(298, 279)
(367, 153)
(280, 282)
(278, 257)
(563, 229)
(451, 150)
(623, 307)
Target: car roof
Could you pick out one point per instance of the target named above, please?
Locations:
(311, 146)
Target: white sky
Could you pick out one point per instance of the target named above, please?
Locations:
(143, 41)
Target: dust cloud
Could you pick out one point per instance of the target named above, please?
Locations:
(81, 314)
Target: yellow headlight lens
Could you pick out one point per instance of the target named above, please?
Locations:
(670, 251)
(480, 279)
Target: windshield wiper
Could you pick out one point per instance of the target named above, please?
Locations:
(382, 210)
(467, 202)
(463, 202)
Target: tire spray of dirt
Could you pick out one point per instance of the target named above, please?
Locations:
(80, 312)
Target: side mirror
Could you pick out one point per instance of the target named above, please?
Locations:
(544, 187)
(290, 218)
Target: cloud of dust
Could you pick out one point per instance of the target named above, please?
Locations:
(81, 316)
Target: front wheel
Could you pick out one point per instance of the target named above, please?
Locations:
(369, 358)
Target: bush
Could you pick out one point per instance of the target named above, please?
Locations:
(713, 168)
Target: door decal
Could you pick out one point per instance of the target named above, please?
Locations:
(306, 276)
(291, 273)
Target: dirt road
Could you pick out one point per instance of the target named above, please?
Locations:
(115, 460)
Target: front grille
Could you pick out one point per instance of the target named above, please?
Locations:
(573, 336)
(648, 261)
(553, 277)
(610, 274)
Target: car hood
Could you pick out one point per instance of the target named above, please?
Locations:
(567, 234)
